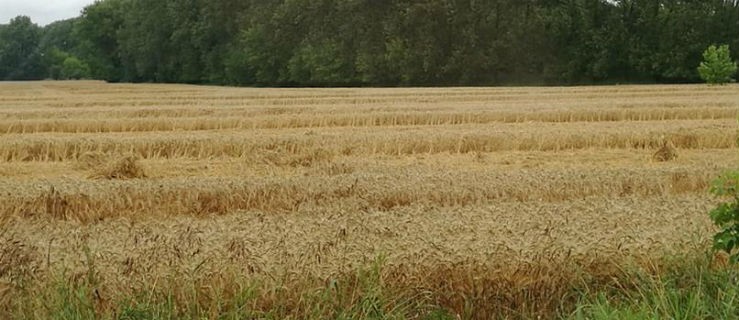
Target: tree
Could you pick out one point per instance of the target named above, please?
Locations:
(99, 40)
(717, 67)
(19, 54)
(60, 35)
(375, 42)
(319, 64)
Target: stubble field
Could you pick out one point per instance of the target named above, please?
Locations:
(484, 201)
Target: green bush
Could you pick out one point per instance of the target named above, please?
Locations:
(726, 215)
(717, 66)
(73, 68)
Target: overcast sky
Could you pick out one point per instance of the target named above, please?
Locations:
(41, 12)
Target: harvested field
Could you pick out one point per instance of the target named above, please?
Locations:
(485, 201)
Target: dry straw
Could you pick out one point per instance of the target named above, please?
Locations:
(125, 167)
(91, 160)
(666, 152)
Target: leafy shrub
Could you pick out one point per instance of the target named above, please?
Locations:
(726, 215)
(73, 68)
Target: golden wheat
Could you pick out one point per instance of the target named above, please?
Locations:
(709, 134)
(499, 196)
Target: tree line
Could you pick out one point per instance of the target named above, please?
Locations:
(373, 42)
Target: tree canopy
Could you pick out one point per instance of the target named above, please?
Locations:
(374, 42)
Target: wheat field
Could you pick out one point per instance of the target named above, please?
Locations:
(477, 199)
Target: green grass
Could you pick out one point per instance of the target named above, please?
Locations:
(686, 289)
(359, 296)
(680, 288)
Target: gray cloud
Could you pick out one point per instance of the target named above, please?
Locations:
(41, 12)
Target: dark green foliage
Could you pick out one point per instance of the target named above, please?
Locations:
(99, 39)
(376, 42)
(19, 55)
(717, 67)
(62, 65)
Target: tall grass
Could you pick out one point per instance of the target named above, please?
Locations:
(688, 287)
(363, 294)
(685, 288)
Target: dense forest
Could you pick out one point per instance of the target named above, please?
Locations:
(373, 42)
